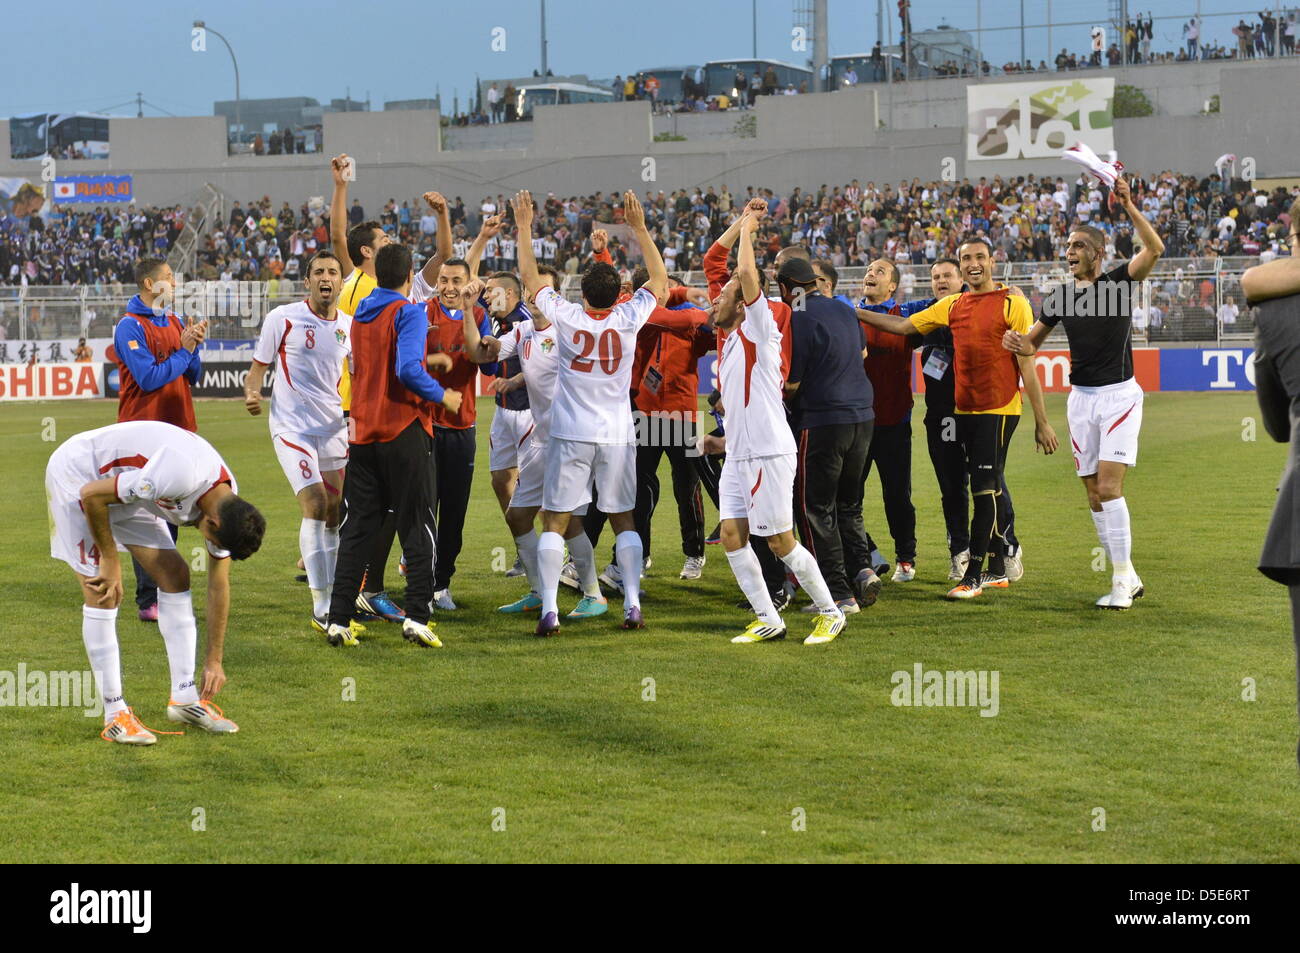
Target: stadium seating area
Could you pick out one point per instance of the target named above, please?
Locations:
(915, 223)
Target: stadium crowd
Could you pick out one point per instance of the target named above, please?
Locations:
(1025, 219)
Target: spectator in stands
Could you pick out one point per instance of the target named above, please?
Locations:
(1192, 33)
(494, 103)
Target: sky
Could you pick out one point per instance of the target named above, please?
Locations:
(97, 55)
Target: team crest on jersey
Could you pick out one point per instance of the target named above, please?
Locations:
(339, 335)
(547, 345)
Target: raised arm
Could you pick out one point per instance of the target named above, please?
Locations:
(478, 348)
(634, 215)
(339, 214)
(746, 267)
(1139, 265)
(438, 205)
(522, 203)
(490, 229)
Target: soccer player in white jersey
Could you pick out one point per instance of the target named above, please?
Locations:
(756, 489)
(533, 344)
(592, 438)
(309, 342)
(117, 488)
(1105, 404)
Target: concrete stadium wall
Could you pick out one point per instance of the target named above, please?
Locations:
(803, 140)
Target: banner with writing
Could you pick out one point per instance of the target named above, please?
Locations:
(93, 189)
(1036, 120)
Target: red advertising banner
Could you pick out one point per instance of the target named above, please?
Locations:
(51, 381)
(1054, 370)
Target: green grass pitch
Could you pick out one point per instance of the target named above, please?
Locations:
(501, 747)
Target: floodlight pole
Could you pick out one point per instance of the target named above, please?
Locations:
(202, 26)
(543, 40)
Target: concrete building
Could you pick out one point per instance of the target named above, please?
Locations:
(795, 140)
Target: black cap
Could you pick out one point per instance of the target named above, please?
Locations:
(796, 271)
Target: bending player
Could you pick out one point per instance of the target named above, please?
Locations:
(1104, 409)
(756, 490)
(118, 487)
(311, 341)
(592, 436)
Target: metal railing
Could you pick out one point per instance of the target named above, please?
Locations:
(1188, 294)
(203, 212)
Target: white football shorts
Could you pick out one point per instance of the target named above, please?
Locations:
(1104, 424)
(760, 490)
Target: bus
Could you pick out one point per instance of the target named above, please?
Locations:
(720, 75)
(861, 63)
(557, 94)
(671, 88)
(61, 135)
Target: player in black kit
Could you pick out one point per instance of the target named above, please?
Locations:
(1105, 403)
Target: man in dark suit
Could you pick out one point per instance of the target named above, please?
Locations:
(1275, 289)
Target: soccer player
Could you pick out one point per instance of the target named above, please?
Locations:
(987, 389)
(390, 458)
(717, 273)
(665, 385)
(592, 438)
(532, 345)
(357, 248)
(756, 490)
(512, 418)
(158, 364)
(1104, 409)
(946, 455)
(120, 487)
(310, 342)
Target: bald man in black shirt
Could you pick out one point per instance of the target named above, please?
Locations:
(1105, 404)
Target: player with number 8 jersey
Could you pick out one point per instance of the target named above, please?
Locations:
(309, 343)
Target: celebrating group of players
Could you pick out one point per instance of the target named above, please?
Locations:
(373, 415)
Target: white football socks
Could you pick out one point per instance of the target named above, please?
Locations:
(628, 553)
(550, 560)
(320, 567)
(804, 566)
(1119, 536)
(180, 635)
(332, 552)
(527, 546)
(1099, 521)
(584, 560)
(99, 632)
(749, 574)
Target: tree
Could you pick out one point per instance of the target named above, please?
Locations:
(1131, 102)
